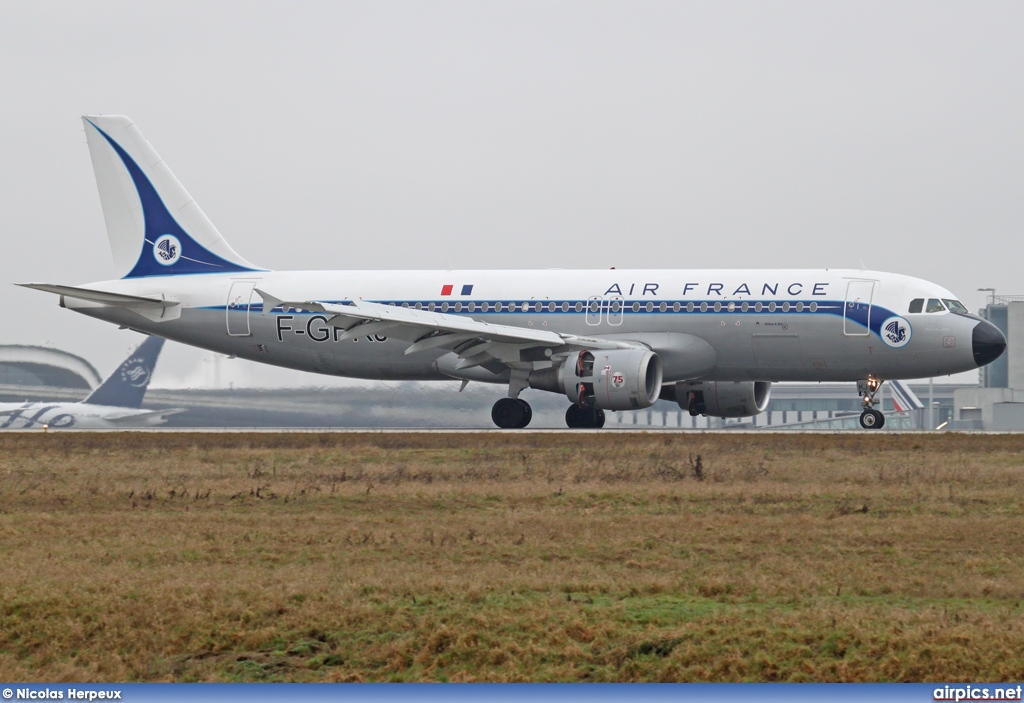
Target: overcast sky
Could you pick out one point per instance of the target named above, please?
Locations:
(365, 135)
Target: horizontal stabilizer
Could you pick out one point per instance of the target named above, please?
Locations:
(100, 296)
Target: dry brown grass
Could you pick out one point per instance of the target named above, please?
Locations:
(511, 556)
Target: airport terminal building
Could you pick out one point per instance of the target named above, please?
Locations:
(998, 402)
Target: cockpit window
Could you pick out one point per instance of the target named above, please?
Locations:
(956, 306)
(916, 305)
(935, 305)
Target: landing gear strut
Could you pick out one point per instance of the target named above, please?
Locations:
(870, 419)
(511, 413)
(584, 418)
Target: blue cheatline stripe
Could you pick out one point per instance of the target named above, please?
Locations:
(194, 257)
(534, 693)
(857, 314)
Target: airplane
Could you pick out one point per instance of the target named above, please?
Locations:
(712, 340)
(115, 403)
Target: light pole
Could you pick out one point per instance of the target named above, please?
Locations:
(992, 294)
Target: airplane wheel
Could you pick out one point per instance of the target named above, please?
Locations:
(579, 418)
(509, 413)
(574, 417)
(527, 413)
(872, 420)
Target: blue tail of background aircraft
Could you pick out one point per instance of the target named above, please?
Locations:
(903, 398)
(126, 387)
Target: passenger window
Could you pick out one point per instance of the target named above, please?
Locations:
(956, 306)
(935, 305)
(917, 305)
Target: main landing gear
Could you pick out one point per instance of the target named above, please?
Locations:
(584, 418)
(870, 419)
(514, 414)
(511, 413)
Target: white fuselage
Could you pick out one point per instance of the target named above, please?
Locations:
(763, 325)
(80, 416)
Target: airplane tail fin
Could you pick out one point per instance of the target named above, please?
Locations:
(903, 398)
(154, 226)
(126, 387)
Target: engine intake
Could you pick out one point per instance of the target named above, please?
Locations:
(619, 379)
(723, 398)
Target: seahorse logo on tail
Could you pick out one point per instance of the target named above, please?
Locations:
(167, 249)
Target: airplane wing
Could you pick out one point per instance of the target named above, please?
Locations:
(475, 342)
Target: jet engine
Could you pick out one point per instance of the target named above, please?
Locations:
(723, 398)
(619, 379)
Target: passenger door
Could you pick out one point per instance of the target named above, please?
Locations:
(857, 311)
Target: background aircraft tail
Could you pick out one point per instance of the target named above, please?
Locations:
(126, 387)
(154, 226)
(903, 398)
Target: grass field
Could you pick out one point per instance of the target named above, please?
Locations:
(511, 556)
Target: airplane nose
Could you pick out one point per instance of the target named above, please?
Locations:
(988, 343)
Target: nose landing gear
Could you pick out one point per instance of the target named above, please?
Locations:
(870, 419)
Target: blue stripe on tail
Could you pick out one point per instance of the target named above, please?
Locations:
(168, 249)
